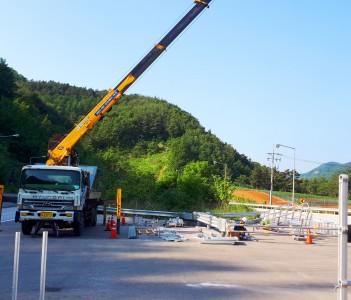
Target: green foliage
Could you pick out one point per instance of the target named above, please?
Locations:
(194, 182)
(7, 80)
(229, 208)
(223, 190)
(260, 177)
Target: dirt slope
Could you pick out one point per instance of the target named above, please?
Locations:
(258, 196)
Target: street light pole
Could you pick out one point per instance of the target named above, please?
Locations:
(293, 187)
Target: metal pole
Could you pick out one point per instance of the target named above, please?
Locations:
(43, 265)
(342, 241)
(15, 265)
(293, 192)
(293, 185)
(272, 167)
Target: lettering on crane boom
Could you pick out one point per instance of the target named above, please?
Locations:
(107, 102)
(81, 124)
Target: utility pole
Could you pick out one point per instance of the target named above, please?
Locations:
(294, 170)
(273, 159)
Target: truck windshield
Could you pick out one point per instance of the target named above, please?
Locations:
(41, 179)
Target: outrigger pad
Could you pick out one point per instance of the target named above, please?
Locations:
(40, 225)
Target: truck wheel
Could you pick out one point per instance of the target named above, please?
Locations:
(27, 227)
(87, 221)
(78, 226)
(93, 217)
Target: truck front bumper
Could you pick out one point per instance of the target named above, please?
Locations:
(23, 215)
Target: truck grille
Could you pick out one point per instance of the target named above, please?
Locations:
(48, 204)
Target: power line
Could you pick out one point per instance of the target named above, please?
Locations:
(313, 162)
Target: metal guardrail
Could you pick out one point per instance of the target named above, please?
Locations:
(183, 215)
(238, 215)
(221, 224)
(211, 221)
(298, 218)
(140, 212)
(321, 210)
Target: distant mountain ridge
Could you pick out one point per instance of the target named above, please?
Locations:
(326, 170)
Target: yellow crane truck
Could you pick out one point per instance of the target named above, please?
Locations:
(59, 194)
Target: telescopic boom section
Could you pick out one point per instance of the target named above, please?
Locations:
(61, 154)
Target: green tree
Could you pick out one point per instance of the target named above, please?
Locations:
(7, 80)
(194, 182)
(223, 190)
(260, 176)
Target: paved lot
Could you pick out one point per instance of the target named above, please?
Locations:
(96, 267)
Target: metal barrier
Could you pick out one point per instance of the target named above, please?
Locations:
(221, 224)
(288, 215)
(321, 210)
(295, 221)
(140, 212)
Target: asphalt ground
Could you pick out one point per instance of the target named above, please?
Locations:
(94, 266)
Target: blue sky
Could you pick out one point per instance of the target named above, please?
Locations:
(256, 73)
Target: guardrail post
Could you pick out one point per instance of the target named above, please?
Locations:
(342, 237)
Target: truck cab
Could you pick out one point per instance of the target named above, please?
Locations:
(56, 197)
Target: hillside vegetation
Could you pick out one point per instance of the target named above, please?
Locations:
(327, 170)
(157, 153)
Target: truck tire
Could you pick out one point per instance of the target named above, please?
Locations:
(93, 217)
(78, 225)
(27, 227)
(87, 219)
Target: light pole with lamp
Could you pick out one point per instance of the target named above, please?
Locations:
(30, 160)
(225, 167)
(293, 187)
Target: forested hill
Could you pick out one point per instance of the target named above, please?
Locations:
(157, 153)
(154, 150)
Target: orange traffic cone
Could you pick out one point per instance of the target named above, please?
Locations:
(309, 237)
(123, 220)
(108, 226)
(113, 234)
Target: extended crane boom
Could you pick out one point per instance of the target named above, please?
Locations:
(61, 153)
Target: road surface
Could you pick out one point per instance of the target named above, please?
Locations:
(94, 266)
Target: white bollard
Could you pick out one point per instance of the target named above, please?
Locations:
(43, 265)
(342, 237)
(16, 265)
